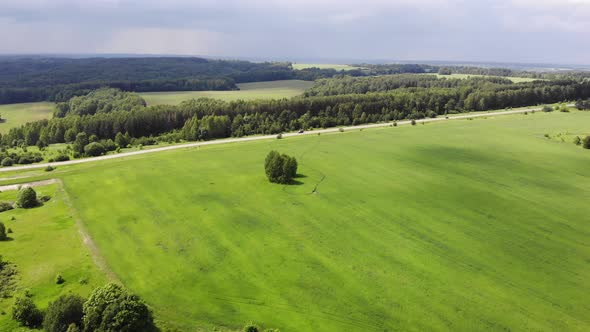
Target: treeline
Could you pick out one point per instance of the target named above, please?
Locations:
(215, 118)
(361, 85)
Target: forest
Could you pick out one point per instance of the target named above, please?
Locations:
(106, 113)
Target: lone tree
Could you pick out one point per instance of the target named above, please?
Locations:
(280, 168)
(27, 198)
(3, 236)
(63, 312)
(112, 308)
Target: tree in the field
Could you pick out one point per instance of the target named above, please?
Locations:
(3, 236)
(80, 142)
(251, 328)
(280, 168)
(94, 149)
(63, 312)
(111, 308)
(27, 198)
(26, 313)
(586, 142)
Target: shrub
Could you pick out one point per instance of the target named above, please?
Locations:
(49, 168)
(73, 328)
(94, 149)
(547, 109)
(27, 198)
(26, 313)
(9, 231)
(112, 308)
(3, 236)
(5, 206)
(62, 157)
(341, 130)
(59, 279)
(577, 140)
(586, 142)
(7, 162)
(63, 312)
(279, 136)
(413, 122)
(251, 328)
(280, 168)
(395, 123)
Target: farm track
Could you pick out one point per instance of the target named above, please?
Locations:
(258, 138)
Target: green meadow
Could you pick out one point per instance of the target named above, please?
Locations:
(300, 66)
(15, 115)
(45, 242)
(248, 91)
(464, 225)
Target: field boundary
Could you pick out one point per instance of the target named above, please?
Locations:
(264, 137)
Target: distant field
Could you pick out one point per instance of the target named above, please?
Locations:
(300, 66)
(19, 114)
(248, 91)
(465, 226)
(45, 243)
(463, 76)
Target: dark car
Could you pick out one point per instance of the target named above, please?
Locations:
(301, 131)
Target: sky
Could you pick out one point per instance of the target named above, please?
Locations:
(524, 31)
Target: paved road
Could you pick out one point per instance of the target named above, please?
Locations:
(257, 138)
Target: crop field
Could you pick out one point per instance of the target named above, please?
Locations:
(45, 242)
(15, 115)
(464, 76)
(465, 225)
(248, 91)
(300, 66)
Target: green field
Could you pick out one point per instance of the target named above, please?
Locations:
(462, 225)
(300, 66)
(46, 242)
(19, 114)
(464, 76)
(248, 91)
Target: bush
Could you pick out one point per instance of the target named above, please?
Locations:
(94, 149)
(26, 313)
(62, 157)
(112, 308)
(341, 130)
(577, 140)
(547, 109)
(586, 142)
(280, 168)
(3, 236)
(49, 168)
(7, 162)
(251, 328)
(413, 122)
(73, 328)
(5, 206)
(64, 312)
(27, 198)
(279, 136)
(59, 279)
(395, 123)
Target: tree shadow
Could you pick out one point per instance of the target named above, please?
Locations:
(7, 239)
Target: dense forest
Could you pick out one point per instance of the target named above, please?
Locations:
(30, 79)
(110, 114)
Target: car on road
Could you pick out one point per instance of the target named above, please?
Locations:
(301, 131)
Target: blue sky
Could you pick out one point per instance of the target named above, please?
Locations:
(539, 31)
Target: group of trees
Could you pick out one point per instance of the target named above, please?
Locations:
(583, 105)
(110, 308)
(280, 168)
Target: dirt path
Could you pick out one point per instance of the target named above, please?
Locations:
(258, 138)
(86, 238)
(29, 184)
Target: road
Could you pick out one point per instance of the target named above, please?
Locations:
(258, 138)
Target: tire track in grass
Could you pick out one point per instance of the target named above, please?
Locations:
(97, 257)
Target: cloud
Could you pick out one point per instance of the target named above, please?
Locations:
(501, 30)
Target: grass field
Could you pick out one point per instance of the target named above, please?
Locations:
(462, 225)
(464, 76)
(19, 114)
(300, 66)
(45, 242)
(248, 91)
